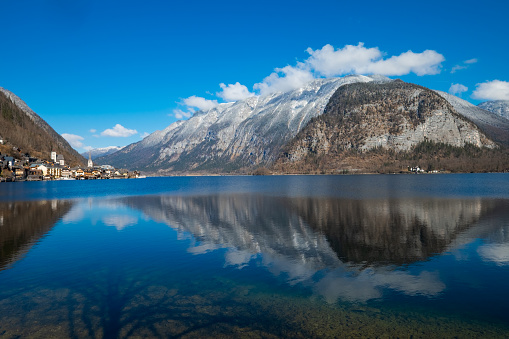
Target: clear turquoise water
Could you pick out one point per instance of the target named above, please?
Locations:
(297, 256)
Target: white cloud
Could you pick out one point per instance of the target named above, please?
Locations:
(144, 135)
(492, 90)
(200, 103)
(464, 66)
(118, 131)
(327, 62)
(192, 103)
(425, 63)
(88, 148)
(457, 68)
(330, 62)
(233, 92)
(350, 59)
(457, 89)
(180, 114)
(285, 79)
(73, 139)
(93, 130)
(361, 60)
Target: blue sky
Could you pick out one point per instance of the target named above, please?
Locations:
(107, 72)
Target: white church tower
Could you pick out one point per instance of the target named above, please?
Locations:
(90, 163)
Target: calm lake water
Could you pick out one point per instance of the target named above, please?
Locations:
(292, 256)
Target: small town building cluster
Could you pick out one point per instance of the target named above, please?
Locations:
(27, 168)
(417, 169)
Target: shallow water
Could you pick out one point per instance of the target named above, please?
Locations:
(366, 256)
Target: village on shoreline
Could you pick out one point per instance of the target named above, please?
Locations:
(27, 168)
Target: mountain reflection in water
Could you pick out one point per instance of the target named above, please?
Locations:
(234, 265)
(344, 248)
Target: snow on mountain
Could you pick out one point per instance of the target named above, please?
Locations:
(499, 107)
(99, 152)
(235, 135)
(495, 126)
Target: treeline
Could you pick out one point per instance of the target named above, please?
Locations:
(428, 155)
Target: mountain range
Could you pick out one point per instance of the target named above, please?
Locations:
(354, 123)
(256, 132)
(23, 129)
(102, 151)
(232, 137)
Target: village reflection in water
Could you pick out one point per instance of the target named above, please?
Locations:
(107, 268)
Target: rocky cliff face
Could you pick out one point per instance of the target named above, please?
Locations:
(487, 116)
(232, 136)
(395, 115)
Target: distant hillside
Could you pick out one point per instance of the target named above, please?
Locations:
(103, 151)
(499, 107)
(384, 127)
(22, 128)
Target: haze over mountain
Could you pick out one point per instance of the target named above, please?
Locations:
(22, 128)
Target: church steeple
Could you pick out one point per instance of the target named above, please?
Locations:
(90, 163)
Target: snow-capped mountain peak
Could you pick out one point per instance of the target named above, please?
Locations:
(234, 135)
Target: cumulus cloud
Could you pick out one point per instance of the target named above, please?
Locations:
(73, 139)
(118, 131)
(233, 92)
(285, 79)
(328, 61)
(192, 104)
(361, 60)
(93, 130)
(350, 59)
(425, 63)
(492, 90)
(457, 89)
(200, 103)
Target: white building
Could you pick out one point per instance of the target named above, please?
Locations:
(90, 163)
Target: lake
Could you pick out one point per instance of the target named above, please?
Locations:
(269, 257)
